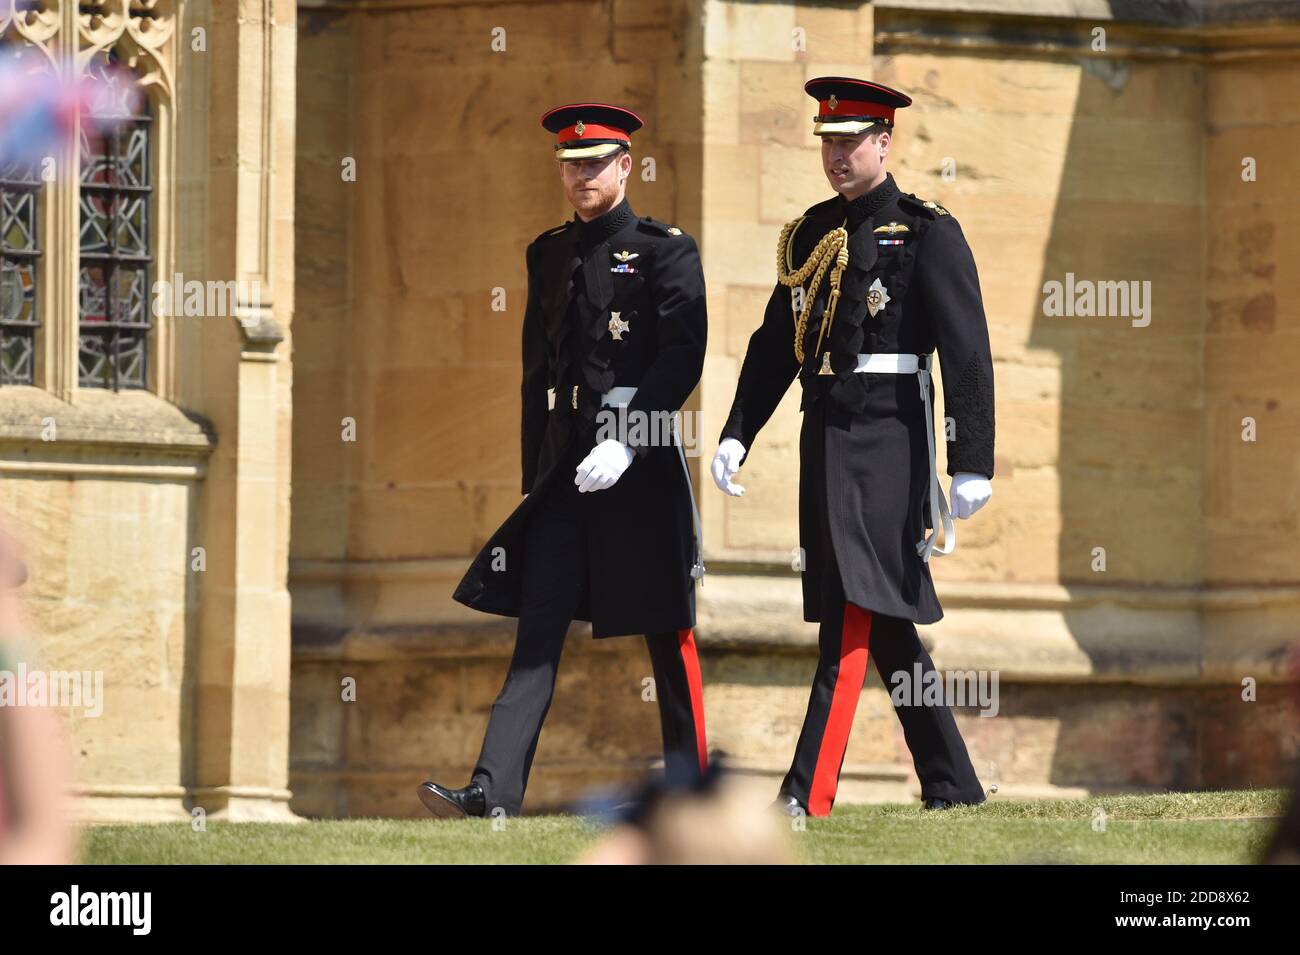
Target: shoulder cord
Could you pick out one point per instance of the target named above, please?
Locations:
(833, 245)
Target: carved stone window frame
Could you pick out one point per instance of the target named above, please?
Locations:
(143, 33)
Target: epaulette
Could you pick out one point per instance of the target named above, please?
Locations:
(792, 227)
(922, 207)
(824, 206)
(654, 225)
(556, 231)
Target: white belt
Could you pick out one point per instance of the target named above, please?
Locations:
(619, 397)
(906, 364)
(889, 364)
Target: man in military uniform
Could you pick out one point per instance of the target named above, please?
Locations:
(616, 326)
(870, 282)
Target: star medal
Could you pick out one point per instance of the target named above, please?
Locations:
(877, 298)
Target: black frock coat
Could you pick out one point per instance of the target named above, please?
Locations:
(863, 456)
(641, 539)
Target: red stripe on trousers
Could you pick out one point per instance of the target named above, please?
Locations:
(854, 637)
(691, 661)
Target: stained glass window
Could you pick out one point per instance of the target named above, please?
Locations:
(116, 188)
(19, 257)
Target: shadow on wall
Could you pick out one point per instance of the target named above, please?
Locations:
(1131, 301)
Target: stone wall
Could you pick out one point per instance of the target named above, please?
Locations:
(158, 519)
(1122, 164)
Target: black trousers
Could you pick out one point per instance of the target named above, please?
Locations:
(845, 640)
(553, 581)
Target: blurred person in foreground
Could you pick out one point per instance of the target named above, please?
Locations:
(710, 820)
(34, 828)
(1284, 846)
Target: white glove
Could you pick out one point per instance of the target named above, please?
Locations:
(725, 465)
(968, 493)
(603, 466)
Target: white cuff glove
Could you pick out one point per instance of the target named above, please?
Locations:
(968, 493)
(603, 466)
(725, 465)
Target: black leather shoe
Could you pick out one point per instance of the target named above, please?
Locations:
(788, 805)
(453, 803)
(935, 802)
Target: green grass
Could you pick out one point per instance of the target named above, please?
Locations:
(1178, 828)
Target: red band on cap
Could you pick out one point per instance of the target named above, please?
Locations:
(593, 131)
(854, 107)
